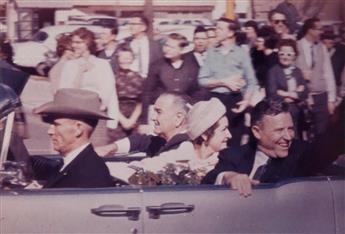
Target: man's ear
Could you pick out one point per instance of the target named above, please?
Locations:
(79, 129)
(256, 131)
(180, 117)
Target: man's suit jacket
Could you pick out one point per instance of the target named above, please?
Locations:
(241, 160)
(112, 59)
(156, 52)
(87, 170)
(338, 62)
(155, 145)
(190, 55)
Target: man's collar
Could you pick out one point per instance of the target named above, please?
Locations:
(225, 50)
(72, 155)
(177, 64)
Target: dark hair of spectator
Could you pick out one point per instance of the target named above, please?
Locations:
(208, 133)
(271, 13)
(6, 51)
(183, 42)
(114, 28)
(253, 24)
(270, 107)
(200, 29)
(232, 24)
(241, 38)
(328, 35)
(269, 35)
(308, 24)
(123, 47)
(142, 18)
(64, 43)
(288, 42)
(88, 37)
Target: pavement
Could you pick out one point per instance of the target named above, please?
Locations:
(37, 91)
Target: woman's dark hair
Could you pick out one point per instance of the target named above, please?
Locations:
(183, 42)
(87, 36)
(209, 133)
(288, 42)
(123, 47)
(253, 24)
(64, 42)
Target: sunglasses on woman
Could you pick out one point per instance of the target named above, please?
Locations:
(279, 21)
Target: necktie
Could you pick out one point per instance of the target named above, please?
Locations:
(312, 56)
(260, 171)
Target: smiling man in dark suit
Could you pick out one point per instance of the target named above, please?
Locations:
(73, 115)
(274, 154)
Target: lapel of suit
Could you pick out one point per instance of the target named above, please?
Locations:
(174, 142)
(76, 163)
(282, 168)
(54, 179)
(249, 157)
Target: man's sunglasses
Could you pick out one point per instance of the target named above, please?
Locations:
(279, 21)
(286, 54)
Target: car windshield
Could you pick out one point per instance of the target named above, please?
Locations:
(2, 124)
(40, 36)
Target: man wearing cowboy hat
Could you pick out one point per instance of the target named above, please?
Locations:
(73, 115)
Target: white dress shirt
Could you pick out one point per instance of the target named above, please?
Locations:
(260, 160)
(141, 49)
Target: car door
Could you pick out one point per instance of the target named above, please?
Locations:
(113, 210)
(296, 207)
(338, 190)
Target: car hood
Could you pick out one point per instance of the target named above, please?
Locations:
(29, 54)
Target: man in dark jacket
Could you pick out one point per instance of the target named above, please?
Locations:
(275, 155)
(73, 115)
(169, 122)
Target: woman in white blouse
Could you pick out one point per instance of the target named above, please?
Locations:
(91, 73)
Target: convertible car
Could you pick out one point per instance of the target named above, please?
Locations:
(298, 206)
(303, 205)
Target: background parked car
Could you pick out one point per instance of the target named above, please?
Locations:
(40, 48)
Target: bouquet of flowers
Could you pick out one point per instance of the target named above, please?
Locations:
(171, 174)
